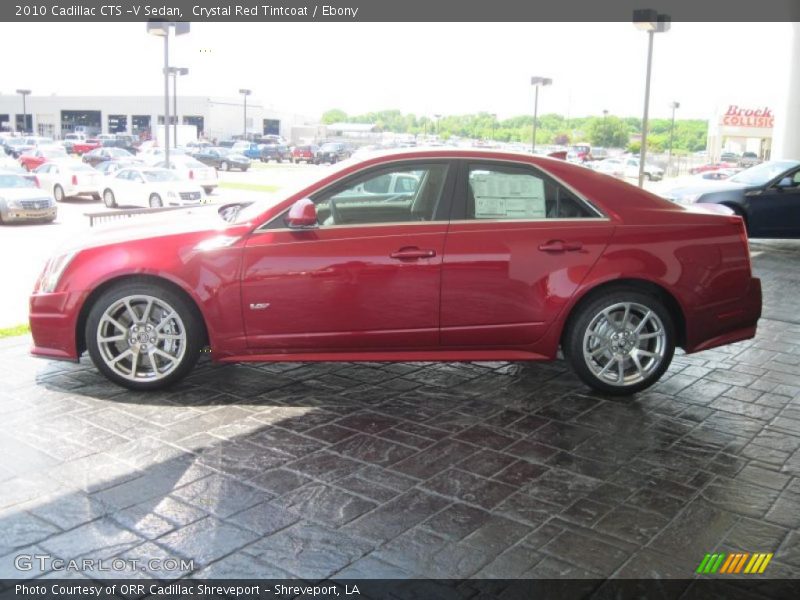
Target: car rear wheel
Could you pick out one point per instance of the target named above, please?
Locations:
(208, 190)
(620, 342)
(109, 200)
(143, 336)
(224, 166)
(155, 201)
(58, 193)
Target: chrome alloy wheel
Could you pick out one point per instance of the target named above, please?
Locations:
(624, 343)
(141, 338)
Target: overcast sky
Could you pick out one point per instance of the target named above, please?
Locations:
(425, 68)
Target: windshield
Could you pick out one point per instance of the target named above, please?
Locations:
(15, 181)
(763, 173)
(160, 176)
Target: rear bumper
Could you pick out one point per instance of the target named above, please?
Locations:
(733, 322)
(53, 320)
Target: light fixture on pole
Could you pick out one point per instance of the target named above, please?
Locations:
(25, 93)
(673, 105)
(245, 92)
(175, 71)
(161, 29)
(652, 22)
(537, 82)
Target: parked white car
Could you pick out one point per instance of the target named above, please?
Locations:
(651, 172)
(21, 200)
(190, 169)
(66, 178)
(150, 187)
(610, 166)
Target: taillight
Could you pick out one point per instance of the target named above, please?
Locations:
(191, 174)
(74, 180)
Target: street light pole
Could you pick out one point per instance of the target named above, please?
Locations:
(650, 21)
(175, 71)
(245, 93)
(161, 29)
(672, 105)
(537, 82)
(24, 93)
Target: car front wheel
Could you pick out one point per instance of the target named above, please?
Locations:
(155, 201)
(621, 342)
(143, 336)
(58, 193)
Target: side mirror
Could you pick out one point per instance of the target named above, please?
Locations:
(302, 215)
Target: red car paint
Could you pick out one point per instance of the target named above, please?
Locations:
(481, 289)
(87, 146)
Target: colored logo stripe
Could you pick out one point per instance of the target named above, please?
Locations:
(734, 563)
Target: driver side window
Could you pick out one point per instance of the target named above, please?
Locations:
(396, 195)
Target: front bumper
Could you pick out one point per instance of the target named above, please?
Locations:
(53, 321)
(28, 214)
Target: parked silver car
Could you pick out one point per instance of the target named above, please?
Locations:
(22, 200)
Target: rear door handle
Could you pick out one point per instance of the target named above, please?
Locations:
(412, 253)
(560, 246)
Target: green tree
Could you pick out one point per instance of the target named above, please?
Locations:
(609, 132)
(334, 115)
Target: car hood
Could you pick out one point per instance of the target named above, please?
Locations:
(196, 219)
(705, 187)
(23, 194)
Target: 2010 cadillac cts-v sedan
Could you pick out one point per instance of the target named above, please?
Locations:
(478, 256)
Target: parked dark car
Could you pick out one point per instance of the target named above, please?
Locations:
(749, 159)
(277, 152)
(766, 196)
(222, 158)
(304, 153)
(98, 155)
(332, 152)
(728, 156)
(126, 142)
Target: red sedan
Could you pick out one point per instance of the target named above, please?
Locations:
(480, 255)
(36, 157)
(81, 148)
(712, 167)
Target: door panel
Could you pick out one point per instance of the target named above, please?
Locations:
(338, 287)
(500, 288)
(775, 213)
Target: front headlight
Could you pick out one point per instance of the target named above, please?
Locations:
(53, 270)
(13, 203)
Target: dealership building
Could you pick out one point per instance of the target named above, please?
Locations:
(215, 117)
(741, 129)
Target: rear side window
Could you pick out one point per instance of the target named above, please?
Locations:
(515, 193)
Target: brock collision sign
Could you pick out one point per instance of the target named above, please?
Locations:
(747, 117)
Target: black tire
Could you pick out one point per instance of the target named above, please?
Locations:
(244, 169)
(264, 160)
(649, 176)
(58, 193)
(188, 313)
(590, 310)
(224, 166)
(208, 190)
(155, 201)
(109, 200)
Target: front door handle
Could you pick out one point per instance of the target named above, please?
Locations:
(560, 246)
(412, 253)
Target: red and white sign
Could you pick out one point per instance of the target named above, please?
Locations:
(736, 116)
